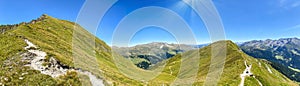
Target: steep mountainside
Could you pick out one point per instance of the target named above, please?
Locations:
(284, 53)
(54, 52)
(239, 67)
(46, 52)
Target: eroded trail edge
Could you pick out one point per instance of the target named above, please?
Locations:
(36, 59)
(247, 73)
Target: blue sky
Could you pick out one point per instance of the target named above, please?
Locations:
(260, 19)
(242, 20)
(16, 11)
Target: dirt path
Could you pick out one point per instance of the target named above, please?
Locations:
(170, 70)
(258, 81)
(246, 73)
(269, 70)
(36, 59)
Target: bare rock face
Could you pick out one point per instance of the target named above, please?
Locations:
(54, 68)
(44, 16)
(27, 57)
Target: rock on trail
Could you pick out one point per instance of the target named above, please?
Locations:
(247, 73)
(36, 59)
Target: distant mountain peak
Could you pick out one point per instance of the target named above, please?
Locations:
(283, 52)
(278, 42)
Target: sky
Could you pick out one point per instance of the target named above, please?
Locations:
(243, 20)
(16, 11)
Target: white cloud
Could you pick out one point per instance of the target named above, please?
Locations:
(288, 4)
(296, 27)
(282, 2)
(296, 4)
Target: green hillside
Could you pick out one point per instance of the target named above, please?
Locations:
(283, 53)
(75, 48)
(147, 55)
(55, 37)
(234, 66)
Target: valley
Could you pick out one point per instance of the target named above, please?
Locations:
(50, 51)
(283, 53)
(147, 55)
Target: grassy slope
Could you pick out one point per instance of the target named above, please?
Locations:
(234, 66)
(56, 38)
(12, 46)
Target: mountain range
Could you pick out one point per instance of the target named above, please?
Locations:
(283, 53)
(50, 51)
(149, 54)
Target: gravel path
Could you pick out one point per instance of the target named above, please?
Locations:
(247, 73)
(36, 58)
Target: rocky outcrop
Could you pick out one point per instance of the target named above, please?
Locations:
(4, 28)
(36, 59)
(43, 17)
